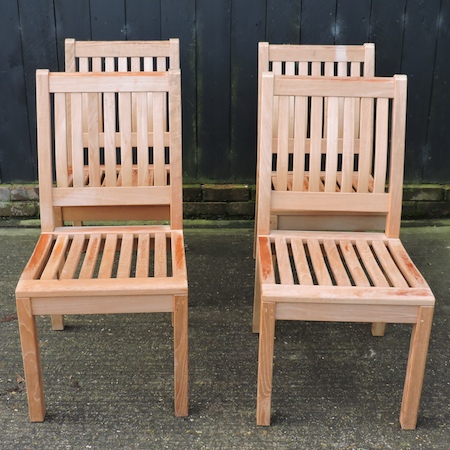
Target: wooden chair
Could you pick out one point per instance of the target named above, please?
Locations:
(329, 275)
(114, 268)
(315, 60)
(117, 56)
(309, 60)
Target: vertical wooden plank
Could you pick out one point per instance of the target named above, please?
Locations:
(179, 21)
(352, 22)
(110, 141)
(77, 140)
(213, 80)
(247, 29)
(419, 49)
(265, 133)
(300, 133)
(93, 147)
(160, 178)
(72, 21)
(438, 139)
(283, 21)
(349, 145)
(331, 163)
(108, 20)
(126, 156)
(283, 144)
(142, 139)
(176, 182)
(365, 145)
(381, 142)
(44, 139)
(143, 19)
(318, 22)
(38, 34)
(90, 257)
(17, 161)
(61, 161)
(387, 24)
(316, 143)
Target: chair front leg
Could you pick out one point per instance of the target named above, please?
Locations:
(57, 322)
(31, 360)
(265, 364)
(378, 329)
(180, 331)
(415, 370)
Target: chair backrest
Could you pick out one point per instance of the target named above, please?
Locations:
(121, 56)
(332, 176)
(110, 167)
(315, 60)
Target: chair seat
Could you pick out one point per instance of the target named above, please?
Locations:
(341, 277)
(101, 262)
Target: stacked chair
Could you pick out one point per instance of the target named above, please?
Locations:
(331, 272)
(113, 141)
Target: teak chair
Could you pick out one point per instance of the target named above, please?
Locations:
(315, 60)
(117, 56)
(309, 60)
(335, 275)
(111, 268)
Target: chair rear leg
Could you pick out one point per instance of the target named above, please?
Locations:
(265, 364)
(57, 322)
(415, 370)
(31, 360)
(378, 329)
(180, 331)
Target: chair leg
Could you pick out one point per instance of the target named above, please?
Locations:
(57, 322)
(31, 360)
(415, 370)
(180, 331)
(378, 329)
(265, 364)
(256, 300)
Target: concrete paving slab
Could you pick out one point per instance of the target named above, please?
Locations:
(108, 379)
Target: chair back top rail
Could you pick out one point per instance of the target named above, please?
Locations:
(96, 51)
(100, 152)
(301, 172)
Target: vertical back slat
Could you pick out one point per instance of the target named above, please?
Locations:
(332, 144)
(77, 139)
(365, 145)
(126, 155)
(93, 145)
(160, 178)
(349, 145)
(381, 143)
(283, 143)
(316, 143)
(142, 139)
(300, 133)
(62, 179)
(110, 139)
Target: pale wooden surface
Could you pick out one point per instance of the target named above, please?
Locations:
(335, 275)
(110, 268)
